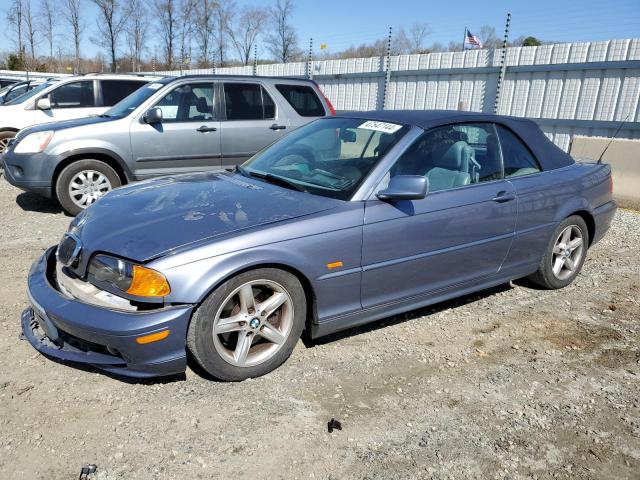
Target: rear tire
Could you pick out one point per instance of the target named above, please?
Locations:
(564, 256)
(249, 325)
(83, 182)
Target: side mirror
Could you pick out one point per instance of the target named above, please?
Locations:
(405, 187)
(153, 116)
(43, 104)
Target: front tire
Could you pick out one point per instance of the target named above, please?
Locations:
(5, 137)
(249, 325)
(564, 256)
(83, 182)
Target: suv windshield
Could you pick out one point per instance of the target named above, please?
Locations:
(328, 157)
(133, 101)
(31, 93)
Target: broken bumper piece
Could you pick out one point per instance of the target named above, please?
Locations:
(73, 331)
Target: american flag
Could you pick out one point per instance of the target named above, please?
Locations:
(471, 39)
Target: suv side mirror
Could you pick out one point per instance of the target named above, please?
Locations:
(153, 116)
(43, 104)
(405, 187)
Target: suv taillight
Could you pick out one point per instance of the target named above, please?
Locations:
(332, 111)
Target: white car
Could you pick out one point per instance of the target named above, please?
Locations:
(65, 99)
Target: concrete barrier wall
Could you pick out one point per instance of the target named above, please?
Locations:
(624, 158)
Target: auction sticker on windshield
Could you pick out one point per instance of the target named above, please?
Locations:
(383, 127)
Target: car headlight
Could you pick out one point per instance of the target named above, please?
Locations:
(34, 142)
(127, 277)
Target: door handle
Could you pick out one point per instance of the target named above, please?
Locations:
(275, 126)
(504, 196)
(204, 128)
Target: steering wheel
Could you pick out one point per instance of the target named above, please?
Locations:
(297, 155)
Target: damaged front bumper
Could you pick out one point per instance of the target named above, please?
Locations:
(74, 331)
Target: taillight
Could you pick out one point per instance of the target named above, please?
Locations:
(332, 111)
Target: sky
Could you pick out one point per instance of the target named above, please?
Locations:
(343, 23)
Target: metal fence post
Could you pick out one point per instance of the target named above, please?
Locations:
(387, 76)
(255, 59)
(503, 64)
(309, 68)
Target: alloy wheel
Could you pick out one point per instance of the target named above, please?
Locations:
(88, 186)
(4, 143)
(567, 252)
(253, 323)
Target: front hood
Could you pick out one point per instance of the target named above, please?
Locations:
(151, 218)
(64, 124)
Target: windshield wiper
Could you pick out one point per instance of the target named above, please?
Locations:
(275, 179)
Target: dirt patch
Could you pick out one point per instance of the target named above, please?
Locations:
(616, 358)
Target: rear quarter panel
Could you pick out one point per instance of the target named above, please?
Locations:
(547, 198)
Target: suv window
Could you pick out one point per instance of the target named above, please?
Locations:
(115, 90)
(73, 95)
(518, 160)
(453, 156)
(248, 101)
(188, 103)
(303, 99)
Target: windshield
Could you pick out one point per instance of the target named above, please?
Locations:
(328, 157)
(30, 93)
(133, 101)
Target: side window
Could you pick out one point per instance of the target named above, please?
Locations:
(115, 90)
(453, 156)
(73, 95)
(303, 99)
(15, 93)
(518, 159)
(188, 103)
(248, 101)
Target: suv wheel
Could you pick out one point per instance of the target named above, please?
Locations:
(4, 140)
(249, 325)
(83, 182)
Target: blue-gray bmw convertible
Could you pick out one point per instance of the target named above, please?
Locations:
(346, 220)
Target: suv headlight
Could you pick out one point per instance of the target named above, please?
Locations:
(34, 142)
(127, 277)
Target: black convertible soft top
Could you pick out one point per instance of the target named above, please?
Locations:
(549, 155)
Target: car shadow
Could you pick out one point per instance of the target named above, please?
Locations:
(178, 377)
(30, 202)
(403, 317)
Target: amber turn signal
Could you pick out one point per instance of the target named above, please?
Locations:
(153, 337)
(334, 265)
(148, 283)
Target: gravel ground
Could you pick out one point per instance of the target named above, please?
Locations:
(510, 383)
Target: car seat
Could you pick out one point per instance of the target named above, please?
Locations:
(451, 166)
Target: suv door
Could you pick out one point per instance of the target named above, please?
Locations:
(69, 100)
(252, 121)
(460, 232)
(187, 140)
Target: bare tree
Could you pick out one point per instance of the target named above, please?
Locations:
(246, 28)
(168, 20)
(71, 13)
(283, 42)
(223, 15)
(489, 37)
(16, 18)
(136, 32)
(48, 23)
(111, 23)
(32, 28)
(205, 23)
(186, 24)
(418, 32)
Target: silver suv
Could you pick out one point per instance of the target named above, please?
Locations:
(173, 125)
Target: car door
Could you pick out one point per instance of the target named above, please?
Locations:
(69, 100)
(251, 121)
(187, 140)
(459, 233)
